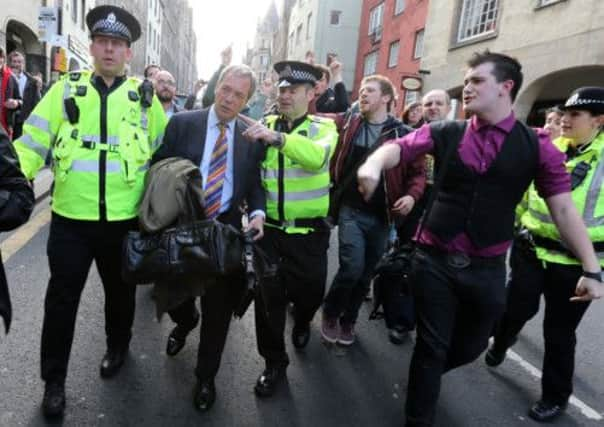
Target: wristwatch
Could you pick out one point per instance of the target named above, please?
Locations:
(595, 276)
(278, 142)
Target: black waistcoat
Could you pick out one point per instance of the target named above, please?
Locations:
(483, 206)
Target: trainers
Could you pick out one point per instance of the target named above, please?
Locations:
(329, 329)
(347, 336)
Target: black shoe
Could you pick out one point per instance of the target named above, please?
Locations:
(301, 335)
(178, 338)
(53, 404)
(204, 395)
(113, 361)
(268, 381)
(398, 335)
(495, 356)
(543, 411)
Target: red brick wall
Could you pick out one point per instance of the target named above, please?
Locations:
(401, 27)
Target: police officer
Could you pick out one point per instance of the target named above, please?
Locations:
(543, 264)
(102, 128)
(295, 175)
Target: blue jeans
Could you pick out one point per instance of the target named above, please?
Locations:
(362, 239)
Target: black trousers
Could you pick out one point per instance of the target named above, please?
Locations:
(72, 246)
(217, 306)
(301, 276)
(456, 310)
(557, 282)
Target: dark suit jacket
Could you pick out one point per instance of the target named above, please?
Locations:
(30, 96)
(185, 137)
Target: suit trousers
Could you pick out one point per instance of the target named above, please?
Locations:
(557, 282)
(72, 246)
(456, 309)
(217, 305)
(301, 276)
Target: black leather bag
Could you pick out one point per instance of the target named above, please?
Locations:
(204, 248)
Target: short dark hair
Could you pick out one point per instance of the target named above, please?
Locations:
(504, 68)
(13, 54)
(386, 87)
(148, 67)
(555, 109)
(325, 71)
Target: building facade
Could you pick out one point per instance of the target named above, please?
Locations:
(325, 27)
(155, 17)
(390, 43)
(19, 31)
(260, 56)
(558, 42)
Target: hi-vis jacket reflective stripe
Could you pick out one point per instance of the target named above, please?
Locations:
(301, 181)
(588, 198)
(99, 162)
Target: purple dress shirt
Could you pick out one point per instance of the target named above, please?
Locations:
(478, 148)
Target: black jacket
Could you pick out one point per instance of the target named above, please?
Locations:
(16, 203)
(30, 97)
(333, 100)
(185, 137)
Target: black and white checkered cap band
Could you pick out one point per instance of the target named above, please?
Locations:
(573, 102)
(296, 75)
(112, 27)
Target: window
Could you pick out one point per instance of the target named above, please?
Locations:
(308, 25)
(298, 34)
(393, 55)
(334, 17)
(375, 20)
(263, 61)
(149, 34)
(478, 17)
(370, 63)
(419, 44)
(411, 96)
(74, 10)
(291, 42)
(399, 6)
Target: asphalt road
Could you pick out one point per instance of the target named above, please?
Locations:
(327, 386)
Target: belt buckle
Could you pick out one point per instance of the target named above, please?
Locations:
(458, 260)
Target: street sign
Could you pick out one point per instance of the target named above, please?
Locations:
(48, 23)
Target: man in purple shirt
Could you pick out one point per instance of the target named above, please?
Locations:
(459, 269)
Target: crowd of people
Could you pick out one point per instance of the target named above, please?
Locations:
(296, 158)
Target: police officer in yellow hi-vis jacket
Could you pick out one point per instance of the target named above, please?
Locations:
(295, 175)
(542, 264)
(102, 128)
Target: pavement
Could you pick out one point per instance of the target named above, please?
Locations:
(327, 386)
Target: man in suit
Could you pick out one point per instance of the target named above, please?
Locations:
(28, 89)
(212, 138)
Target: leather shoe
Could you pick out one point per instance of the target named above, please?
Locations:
(178, 338)
(204, 395)
(495, 355)
(300, 335)
(53, 404)
(113, 361)
(543, 411)
(268, 381)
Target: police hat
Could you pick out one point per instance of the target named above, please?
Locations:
(113, 21)
(589, 98)
(295, 72)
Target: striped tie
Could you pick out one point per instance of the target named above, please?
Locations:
(216, 172)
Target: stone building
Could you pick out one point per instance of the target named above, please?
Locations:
(558, 42)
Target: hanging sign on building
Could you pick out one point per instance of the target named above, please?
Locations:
(48, 23)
